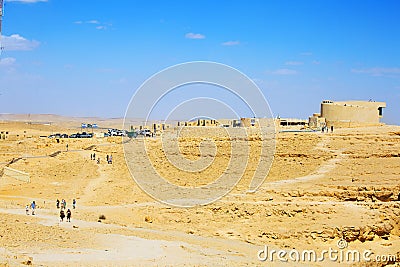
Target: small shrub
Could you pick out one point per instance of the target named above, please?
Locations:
(102, 217)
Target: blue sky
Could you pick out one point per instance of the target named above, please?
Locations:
(87, 58)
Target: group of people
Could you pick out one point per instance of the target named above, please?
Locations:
(109, 158)
(31, 206)
(326, 129)
(62, 215)
(93, 157)
(62, 206)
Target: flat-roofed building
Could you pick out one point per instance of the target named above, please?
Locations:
(352, 113)
(287, 122)
(316, 121)
(199, 122)
(257, 122)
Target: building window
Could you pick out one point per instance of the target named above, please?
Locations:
(380, 109)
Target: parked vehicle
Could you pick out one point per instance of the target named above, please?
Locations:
(85, 135)
(116, 132)
(58, 135)
(146, 132)
(81, 135)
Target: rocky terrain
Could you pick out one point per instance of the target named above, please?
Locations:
(321, 189)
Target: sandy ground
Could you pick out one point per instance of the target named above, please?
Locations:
(321, 188)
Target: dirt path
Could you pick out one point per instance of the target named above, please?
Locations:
(163, 247)
(90, 190)
(321, 172)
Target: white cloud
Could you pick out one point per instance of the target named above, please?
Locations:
(306, 54)
(284, 72)
(378, 71)
(316, 62)
(16, 42)
(293, 63)
(7, 62)
(191, 35)
(101, 26)
(27, 1)
(93, 21)
(231, 43)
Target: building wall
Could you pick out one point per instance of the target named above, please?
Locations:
(292, 122)
(199, 122)
(316, 122)
(249, 122)
(258, 122)
(351, 113)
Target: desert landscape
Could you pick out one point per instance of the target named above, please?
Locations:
(203, 133)
(322, 188)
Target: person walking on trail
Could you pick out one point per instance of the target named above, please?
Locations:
(107, 158)
(58, 203)
(27, 209)
(331, 128)
(67, 147)
(110, 158)
(94, 156)
(62, 215)
(73, 203)
(68, 215)
(33, 207)
(91, 156)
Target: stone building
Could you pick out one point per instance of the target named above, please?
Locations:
(316, 121)
(351, 113)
